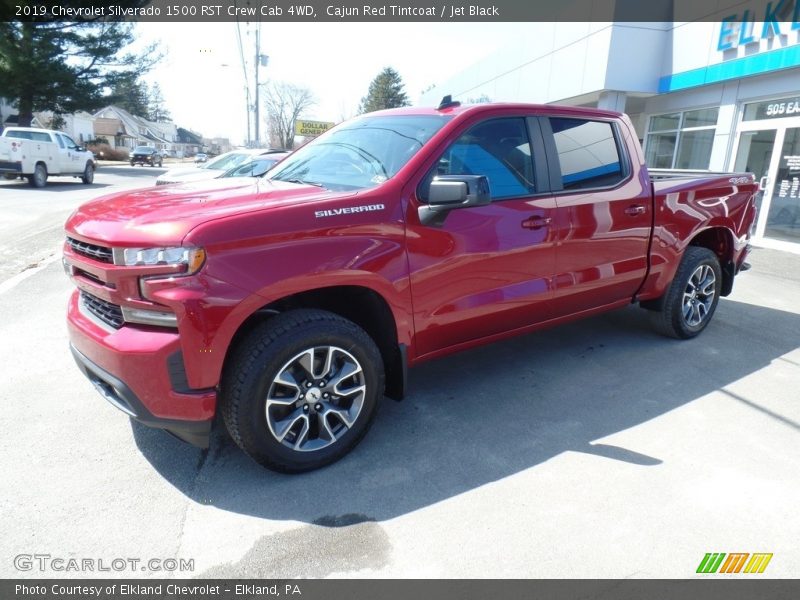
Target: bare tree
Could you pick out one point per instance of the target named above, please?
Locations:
(284, 103)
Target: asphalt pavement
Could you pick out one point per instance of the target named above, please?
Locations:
(592, 450)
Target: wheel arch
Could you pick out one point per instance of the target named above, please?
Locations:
(360, 304)
(719, 240)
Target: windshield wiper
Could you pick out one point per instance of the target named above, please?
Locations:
(302, 182)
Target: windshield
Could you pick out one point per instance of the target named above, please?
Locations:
(143, 149)
(254, 168)
(360, 154)
(227, 161)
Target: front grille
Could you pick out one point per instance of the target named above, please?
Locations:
(108, 313)
(94, 251)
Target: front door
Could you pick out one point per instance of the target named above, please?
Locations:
(485, 270)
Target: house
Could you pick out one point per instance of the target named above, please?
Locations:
(192, 143)
(124, 130)
(79, 126)
(217, 145)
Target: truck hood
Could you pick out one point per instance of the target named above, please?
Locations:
(164, 215)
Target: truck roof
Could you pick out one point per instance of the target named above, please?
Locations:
(459, 109)
(37, 129)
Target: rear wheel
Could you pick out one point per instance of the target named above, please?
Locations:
(88, 174)
(692, 298)
(302, 390)
(39, 177)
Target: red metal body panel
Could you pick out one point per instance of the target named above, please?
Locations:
(685, 208)
(138, 356)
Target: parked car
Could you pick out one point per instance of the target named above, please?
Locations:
(37, 154)
(146, 155)
(257, 166)
(213, 168)
(292, 304)
(200, 157)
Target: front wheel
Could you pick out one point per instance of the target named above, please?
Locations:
(302, 390)
(692, 298)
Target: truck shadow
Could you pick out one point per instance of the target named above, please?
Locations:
(489, 413)
(53, 185)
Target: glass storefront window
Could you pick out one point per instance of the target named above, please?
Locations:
(665, 122)
(706, 117)
(694, 149)
(772, 109)
(681, 140)
(783, 218)
(660, 150)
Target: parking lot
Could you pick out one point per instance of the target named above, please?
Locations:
(594, 450)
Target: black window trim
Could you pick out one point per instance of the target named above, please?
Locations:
(554, 164)
(538, 156)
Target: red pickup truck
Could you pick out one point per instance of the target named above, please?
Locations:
(291, 304)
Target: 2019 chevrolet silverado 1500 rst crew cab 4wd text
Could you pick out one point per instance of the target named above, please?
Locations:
(293, 303)
(38, 153)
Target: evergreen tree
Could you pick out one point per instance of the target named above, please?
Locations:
(130, 94)
(157, 111)
(67, 66)
(385, 91)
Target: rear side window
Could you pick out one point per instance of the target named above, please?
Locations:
(588, 153)
(500, 150)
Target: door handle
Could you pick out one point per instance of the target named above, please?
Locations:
(635, 209)
(536, 222)
(763, 183)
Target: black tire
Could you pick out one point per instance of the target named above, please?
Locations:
(277, 348)
(688, 306)
(88, 174)
(39, 177)
(133, 163)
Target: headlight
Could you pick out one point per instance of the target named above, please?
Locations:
(193, 258)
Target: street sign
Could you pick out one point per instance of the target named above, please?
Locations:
(311, 128)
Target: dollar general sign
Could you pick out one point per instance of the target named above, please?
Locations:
(312, 128)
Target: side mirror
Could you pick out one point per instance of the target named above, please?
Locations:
(448, 192)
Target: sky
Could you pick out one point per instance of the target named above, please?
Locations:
(202, 78)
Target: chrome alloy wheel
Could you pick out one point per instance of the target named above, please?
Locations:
(315, 398)
(698, 297)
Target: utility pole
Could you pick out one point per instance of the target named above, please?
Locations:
(258, 63)
(261, 61)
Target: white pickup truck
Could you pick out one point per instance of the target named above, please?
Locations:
(39, 153)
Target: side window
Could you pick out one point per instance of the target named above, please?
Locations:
(500, 150)
(70, 142)
(587, 153)
(60, 139)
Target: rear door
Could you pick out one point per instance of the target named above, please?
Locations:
(603, 215)
(485, 270)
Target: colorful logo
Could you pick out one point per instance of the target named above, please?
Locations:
(713, 562)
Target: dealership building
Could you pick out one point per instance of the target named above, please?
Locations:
(719, 95)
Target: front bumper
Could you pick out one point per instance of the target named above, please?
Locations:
(140, 371)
